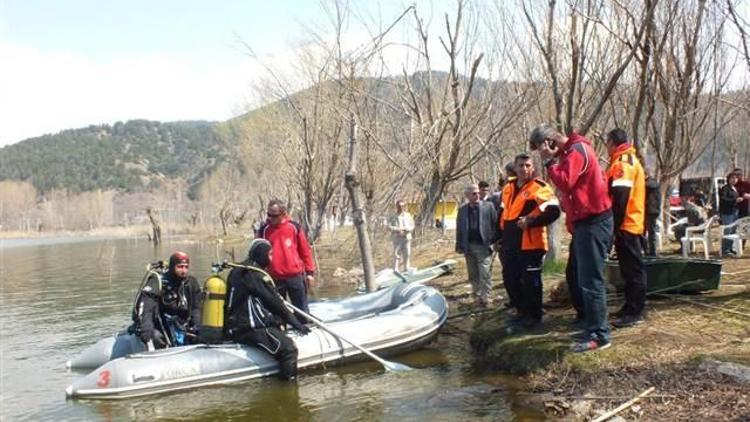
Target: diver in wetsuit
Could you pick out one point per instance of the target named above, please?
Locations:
(167, 310)
(254, 311)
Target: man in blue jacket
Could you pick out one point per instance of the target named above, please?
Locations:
(476, 231)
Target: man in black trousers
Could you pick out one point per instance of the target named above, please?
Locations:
(627, 188)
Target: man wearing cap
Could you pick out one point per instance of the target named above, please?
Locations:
(292, 267)
(254, 310)
(167, 309)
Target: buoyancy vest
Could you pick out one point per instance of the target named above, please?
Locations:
(528, 200)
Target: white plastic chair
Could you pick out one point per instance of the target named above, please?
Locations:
(697, 234)
(742, 231)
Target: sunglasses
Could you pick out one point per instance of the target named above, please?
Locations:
(269, 215)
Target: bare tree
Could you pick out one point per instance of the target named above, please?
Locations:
(455, 120)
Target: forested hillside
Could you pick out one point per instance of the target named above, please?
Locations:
(133, 156)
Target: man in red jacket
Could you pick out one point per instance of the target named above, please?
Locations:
(292, 267)
(573, 167)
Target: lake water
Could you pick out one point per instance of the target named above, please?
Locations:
(58, 297)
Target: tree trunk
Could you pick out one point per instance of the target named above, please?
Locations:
(432, 194)
(554, 237)
(358, 213)
(155, 227)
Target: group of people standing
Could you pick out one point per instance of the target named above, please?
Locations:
(279, 266)
(603, 209)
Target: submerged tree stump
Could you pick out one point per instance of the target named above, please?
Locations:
(155, 226)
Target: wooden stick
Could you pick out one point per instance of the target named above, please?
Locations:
(469, 313)
(624, 406)
(603, 398)
(681, 299)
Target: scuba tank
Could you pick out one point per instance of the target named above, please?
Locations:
(212, 314)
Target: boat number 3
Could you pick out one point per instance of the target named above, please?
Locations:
(103, 379)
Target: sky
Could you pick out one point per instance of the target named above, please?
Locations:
(72, 63)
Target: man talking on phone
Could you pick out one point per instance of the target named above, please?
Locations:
(573, 167)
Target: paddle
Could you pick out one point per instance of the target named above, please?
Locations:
(388, 365)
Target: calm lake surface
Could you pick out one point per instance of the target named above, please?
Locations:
(59, 296)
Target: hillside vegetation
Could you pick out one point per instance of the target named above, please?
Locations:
(134, 156)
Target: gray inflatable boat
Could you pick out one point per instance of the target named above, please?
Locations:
(387, 321)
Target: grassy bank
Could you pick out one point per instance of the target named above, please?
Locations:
(668, 353)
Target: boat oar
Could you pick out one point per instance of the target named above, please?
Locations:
(388, 365)
(401, 276)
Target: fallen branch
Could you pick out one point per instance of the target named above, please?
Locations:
(469, 313)
(654, 396)
(624, 406)
(694, 302)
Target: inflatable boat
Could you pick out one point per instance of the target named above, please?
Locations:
(388, 321)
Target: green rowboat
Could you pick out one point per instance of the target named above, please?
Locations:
(672, 275)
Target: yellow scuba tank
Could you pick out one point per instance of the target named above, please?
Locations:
(212, 315)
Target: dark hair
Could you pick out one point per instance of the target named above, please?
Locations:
(617, 136)
(522, 156)
(483, 184)
(510, 169)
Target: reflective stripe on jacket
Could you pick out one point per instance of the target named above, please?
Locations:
(627, 188)
(530, 200)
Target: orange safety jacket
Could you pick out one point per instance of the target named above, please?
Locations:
(531, 201)
(627, 187)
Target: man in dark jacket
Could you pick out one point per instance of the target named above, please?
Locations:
(574, 169)
(167, 309)
(476, 231)
(653, 210)
(293, 267)
(254, 310)
(729, 209)
(743, 188)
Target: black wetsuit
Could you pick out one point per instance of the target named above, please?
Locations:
(254, 313)
(166, 309)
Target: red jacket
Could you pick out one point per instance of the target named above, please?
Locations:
(580, 181)
(291, 251)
